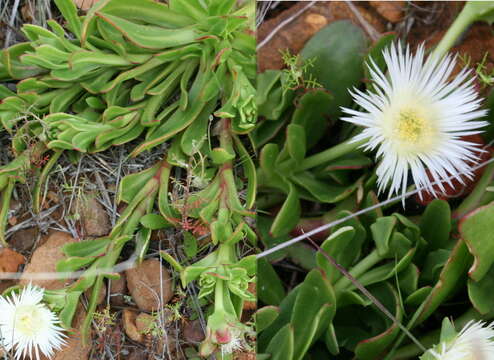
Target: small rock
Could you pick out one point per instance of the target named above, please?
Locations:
(150, 285)
(316, 21)
(390, 10)
(45, 259)
(53, 197)
(24, 239)
(193, 332)
(10, 260)
(129, 322)
(118, 289)
(95, 221)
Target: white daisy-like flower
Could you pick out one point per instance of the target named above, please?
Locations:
(474, 342)
(416, 119)
(27, 326)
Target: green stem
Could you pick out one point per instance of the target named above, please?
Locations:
(461, 23)
(219, 296)
(471, 12)
(330, 154)
(4, 211)
(93, 303)
(171, 260)
(107, 262)
(223, 254)
(365, 264)
(42, 179)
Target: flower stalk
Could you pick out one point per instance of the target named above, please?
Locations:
(330, 154)
(357, 270)
(471, 12)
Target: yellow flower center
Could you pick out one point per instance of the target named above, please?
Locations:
(29, 320)
(411, 126)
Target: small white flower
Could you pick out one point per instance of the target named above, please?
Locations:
(416, 119)
(236, 342)
(474, 342)
(27, 325)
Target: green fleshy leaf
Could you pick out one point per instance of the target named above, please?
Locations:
(435, 224)
(295, 142)
(313, 310)
(322, 190)
(281, 346)
(289, 214)
(381, 233)
(269, 286)
(312, 113)
(190, 245)
(337, 51)
(74, 263)
(265, 317)
(475, 229)
(371, 348)
(340, 246)
(449, 282)
(480, 293)
(154, 222)
(87, 248)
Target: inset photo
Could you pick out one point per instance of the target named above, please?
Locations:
(375, 180)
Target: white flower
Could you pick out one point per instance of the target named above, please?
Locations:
(235, 343)
(474, 342)
(27, 325)
(416, 119)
